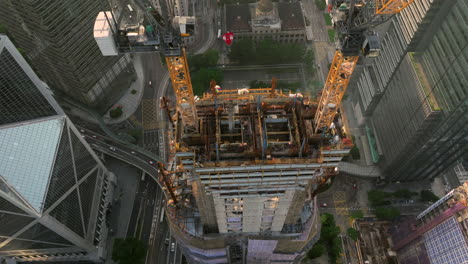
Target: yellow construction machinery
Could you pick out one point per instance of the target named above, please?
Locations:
(354, 21)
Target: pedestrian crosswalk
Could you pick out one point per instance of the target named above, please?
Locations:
(339, 199)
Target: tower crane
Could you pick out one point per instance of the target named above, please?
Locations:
(354, 21)
(150, 30)
(154, 31)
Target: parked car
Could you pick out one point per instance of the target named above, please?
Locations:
(151, 162)
(112, 148)
(172, 247)
(324, 205)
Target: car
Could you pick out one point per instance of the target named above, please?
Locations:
(82, 131)
(355, 186)
(324, 205)
(172, 247)
(94, 136)
(151, 162)
(167, 240)
(133, 152)
(149, 83)
(112, 148)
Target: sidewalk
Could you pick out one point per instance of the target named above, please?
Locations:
(129, 102)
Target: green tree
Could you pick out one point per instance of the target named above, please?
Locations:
(114, 113)
(329, 232)
(327, 219)
(266, 51)
(259, 84)
(309, 61)
(387, 213)
(353, 233)
(428, 196)
(377, 197)
(202, 78)
(129, 251)
(316, 251)
(335, 249)
(355, 153)
(320, 4)
(403, 193)
(205, 60)
(242, 51)
(357, 214)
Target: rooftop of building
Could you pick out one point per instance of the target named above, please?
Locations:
(291, 16)
(238, 17)
(27, 153)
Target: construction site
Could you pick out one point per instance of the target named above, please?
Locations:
(246, 169)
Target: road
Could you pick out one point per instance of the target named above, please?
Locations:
(145, 221)
(323, 49)
(104, 144)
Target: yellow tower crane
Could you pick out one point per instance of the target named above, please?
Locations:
(354, 26)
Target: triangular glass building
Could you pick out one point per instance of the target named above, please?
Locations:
(53, 188)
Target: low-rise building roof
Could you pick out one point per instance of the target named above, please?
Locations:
(291, 16)
(238, 18)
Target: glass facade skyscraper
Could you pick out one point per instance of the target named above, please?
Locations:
(53, 188)
(413, 97)
(57, 38)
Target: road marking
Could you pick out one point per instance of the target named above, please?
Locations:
(339, 199)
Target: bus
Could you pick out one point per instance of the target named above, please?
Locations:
(162, 215)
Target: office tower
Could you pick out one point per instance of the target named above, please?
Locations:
(53, 188)
(57, 38)
(438, 234)
(411, 101)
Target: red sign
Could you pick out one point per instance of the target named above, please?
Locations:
(228, 37)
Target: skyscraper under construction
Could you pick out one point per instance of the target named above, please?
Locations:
(244, 185)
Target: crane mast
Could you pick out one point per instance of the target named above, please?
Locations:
(354, 21)
(181, 82)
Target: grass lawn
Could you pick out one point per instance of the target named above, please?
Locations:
(331, 35)
(327, 19)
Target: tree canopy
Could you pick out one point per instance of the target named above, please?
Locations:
(403, 193)
(353, 233)
(329, 237)
(129, 251)
(377, 197)
(205, 60)
(428, 196)
(202, 78)
(357, 214)
(387, 213)
(317, 250)
(265, 51)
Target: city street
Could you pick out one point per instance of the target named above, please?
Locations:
(340, 200)
(323, 49)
